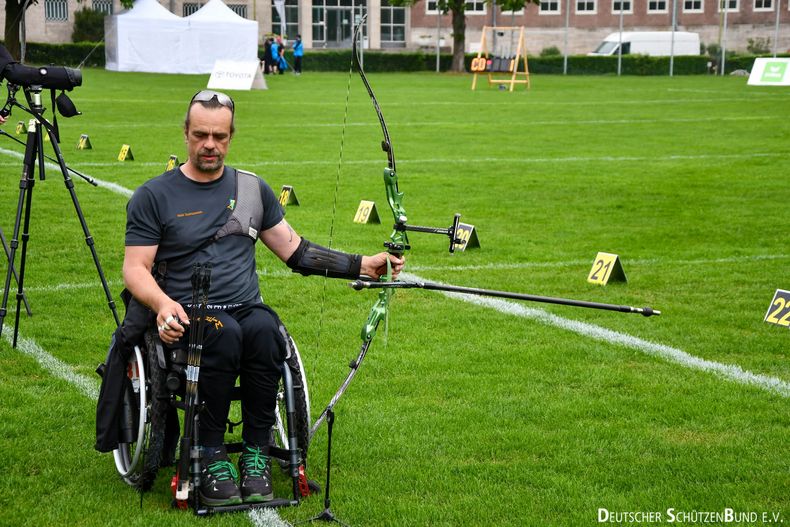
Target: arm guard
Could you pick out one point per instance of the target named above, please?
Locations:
(310, 258)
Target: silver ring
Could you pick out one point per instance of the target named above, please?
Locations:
(163, 327)
(169, 319)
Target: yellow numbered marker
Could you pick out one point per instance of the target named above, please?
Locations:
(288, 196)
(468, 236)
(367, 213)
(125, 154)
(606, 268)
(84, 143)
(779, 310)
(171, 163)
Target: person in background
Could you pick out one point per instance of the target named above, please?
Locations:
(298, 54)
(267, 55)
(275, 55)
(281, 64)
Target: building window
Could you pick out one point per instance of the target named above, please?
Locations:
(549, 7)
(475, 7)
(103, 6)
(656, 6)
(763, 5)
(239, 9)
(291, 19)
(319, 28)
(692, 6)
(586, 7)
(189, 8)
(625, 5)
(730, 5)
(393, 23)
(56, 10)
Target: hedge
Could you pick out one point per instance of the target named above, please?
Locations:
(391, 61)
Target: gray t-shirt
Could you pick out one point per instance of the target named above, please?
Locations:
(180, 215)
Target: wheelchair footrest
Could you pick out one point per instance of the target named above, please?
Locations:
(277, 502)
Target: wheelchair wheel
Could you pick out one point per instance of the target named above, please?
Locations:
(129, 453)
(154, 444)
(301, 402)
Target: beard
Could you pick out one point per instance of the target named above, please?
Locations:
(207, 166)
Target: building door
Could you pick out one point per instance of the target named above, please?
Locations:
(338, 21)
(339, 27)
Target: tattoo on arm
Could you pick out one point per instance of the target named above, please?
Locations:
(291, 233)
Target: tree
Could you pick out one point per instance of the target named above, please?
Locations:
(13, 16)
(457, 8)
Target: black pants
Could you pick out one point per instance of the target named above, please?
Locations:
(297, 64)
(244, 343)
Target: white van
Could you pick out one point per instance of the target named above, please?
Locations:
(655, 43)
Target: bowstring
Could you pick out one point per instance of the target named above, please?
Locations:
(334, 200)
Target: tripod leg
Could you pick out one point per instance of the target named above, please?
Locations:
(88, 238)
(13, 270)
(25, 189)
(327, 515)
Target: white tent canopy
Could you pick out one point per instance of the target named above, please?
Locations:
(150, 38)
(217, 33)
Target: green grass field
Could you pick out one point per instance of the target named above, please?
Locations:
(463, 413)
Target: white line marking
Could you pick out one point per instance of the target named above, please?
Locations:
(569, 263)
(553, 122)
(465, 161)
(285, 273)
(267, 518)
(728, 371)
(114, 187)
(53, 365)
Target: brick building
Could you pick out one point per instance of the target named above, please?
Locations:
(328, 23)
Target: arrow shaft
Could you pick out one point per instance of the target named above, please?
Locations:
(646, 311)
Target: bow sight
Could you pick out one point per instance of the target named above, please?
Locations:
(402, 226)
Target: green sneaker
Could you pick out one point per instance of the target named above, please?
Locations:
(256, 474)
(218, 479)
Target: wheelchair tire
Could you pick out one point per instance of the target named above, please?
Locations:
(162, 418)
(301, 405)
(138, 464)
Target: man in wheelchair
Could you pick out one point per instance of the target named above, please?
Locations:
(206, 212)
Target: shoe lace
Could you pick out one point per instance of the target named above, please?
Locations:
(223, 470)
(254, 461)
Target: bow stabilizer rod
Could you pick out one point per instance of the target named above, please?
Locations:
(363, 284)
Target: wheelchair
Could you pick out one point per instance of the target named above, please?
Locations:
(150, 429)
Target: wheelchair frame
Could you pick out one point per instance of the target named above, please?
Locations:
(147, 435)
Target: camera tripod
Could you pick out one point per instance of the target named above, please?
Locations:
(34, 155)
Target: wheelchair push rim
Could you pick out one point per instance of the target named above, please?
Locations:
(127, 457)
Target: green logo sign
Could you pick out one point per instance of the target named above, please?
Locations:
(774, 71)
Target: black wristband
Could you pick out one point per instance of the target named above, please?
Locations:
(313, 259)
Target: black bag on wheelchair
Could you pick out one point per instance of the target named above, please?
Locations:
(109, 408)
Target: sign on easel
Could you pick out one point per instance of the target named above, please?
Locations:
(468, 235)
(288, 196)
(606, 268)
(237, 75)
(501, 53)
(367, 213)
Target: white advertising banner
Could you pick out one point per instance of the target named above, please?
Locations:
(237, 75)
(770, 72)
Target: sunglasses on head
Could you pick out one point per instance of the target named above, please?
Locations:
(208, 95)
